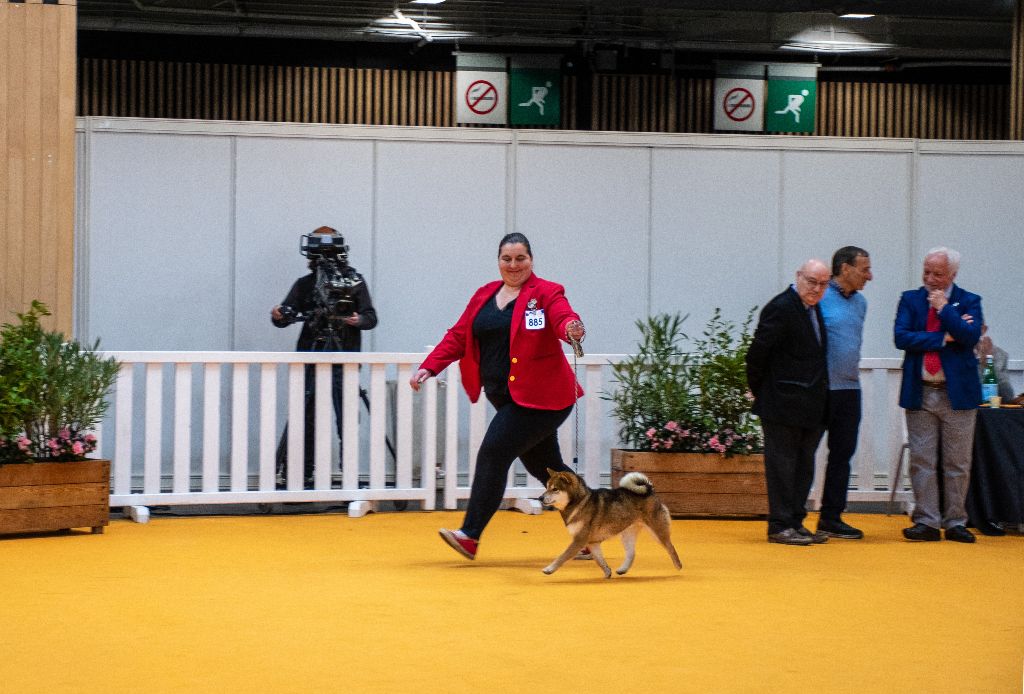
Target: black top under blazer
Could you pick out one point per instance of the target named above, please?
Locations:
(786, 366)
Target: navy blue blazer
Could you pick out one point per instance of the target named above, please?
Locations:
(958, 361)
(786, 367)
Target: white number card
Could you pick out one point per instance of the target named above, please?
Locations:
(535, 319)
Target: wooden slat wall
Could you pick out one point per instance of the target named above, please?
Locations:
(925, 111)
(660, 103)
(292, 94)
(146, 89)
(637, 103)
(1016, 124)
(37, 130)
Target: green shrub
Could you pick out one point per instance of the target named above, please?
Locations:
(669, 399)
(52, 391)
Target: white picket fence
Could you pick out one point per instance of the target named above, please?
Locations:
(197, 428)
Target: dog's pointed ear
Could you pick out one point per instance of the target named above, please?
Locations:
(551, 473)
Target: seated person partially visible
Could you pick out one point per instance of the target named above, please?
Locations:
(1000, 360)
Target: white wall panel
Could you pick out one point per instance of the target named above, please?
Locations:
(159, 258)
(715, 233)
(585, 211)
(440, 214)
(285, 188)
(188, 231)
(836, 199)
(973, 203)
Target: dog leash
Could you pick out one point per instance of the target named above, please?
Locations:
(577, 352)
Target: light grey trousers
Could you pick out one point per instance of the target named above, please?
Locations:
(937, 426)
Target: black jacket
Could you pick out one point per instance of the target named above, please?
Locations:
(786, 367)
(302, 300)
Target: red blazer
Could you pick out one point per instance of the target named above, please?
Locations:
(539, 375)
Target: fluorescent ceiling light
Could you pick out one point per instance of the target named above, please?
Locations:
(427, 2)
(413, 24)
(827, 46)
(850, 15)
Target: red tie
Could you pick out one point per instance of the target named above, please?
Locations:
(932, 363)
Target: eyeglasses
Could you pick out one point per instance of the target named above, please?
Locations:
(816, 284)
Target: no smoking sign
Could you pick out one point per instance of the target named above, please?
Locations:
(481, 96)
(739, 104)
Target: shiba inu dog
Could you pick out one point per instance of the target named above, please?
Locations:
(594, 515)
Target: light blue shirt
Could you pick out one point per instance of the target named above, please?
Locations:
(844, 324)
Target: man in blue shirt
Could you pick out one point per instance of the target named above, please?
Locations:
(843, 309)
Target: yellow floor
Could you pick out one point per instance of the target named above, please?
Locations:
(324, 603)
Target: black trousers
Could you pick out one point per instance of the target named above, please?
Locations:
(844, 407)
(309, 434)
(515, 432)
(789, 472)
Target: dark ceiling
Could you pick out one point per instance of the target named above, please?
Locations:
(962, 31)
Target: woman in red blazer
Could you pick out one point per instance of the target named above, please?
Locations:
(508, 342)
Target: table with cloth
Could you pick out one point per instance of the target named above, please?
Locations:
(996, 493)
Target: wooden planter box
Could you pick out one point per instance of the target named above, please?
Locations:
(699, 484)
(41, 497)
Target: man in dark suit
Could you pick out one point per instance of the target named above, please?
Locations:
(937, 326)
(788, 376)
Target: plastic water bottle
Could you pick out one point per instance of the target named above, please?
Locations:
(989, 384)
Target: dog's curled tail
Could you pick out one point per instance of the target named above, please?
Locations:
(637, 483)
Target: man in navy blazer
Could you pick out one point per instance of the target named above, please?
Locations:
(788, 376)
(937, 326)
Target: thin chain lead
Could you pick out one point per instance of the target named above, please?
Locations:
(577, 349)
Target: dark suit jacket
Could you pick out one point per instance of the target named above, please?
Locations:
(958, 361)
(539, 375)
(786, 367)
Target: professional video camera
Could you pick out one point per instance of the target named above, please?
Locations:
(334, 287)
(334, 290)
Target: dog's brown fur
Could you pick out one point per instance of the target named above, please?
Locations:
(594, 515)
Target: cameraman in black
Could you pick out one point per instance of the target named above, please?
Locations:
(333, 303)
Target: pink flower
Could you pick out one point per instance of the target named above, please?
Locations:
(64, 433)
(77, 448)
(651, 432)
(24, 444)
(672, 426)
(90, 438)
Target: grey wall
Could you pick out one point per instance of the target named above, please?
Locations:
(188, 231)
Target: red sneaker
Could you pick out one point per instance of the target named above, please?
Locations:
(460, 542)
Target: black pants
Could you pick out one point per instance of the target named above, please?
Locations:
(789, 472)
(309, 438)
(843, 424)
(515, 432)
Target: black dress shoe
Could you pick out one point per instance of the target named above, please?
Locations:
(988, 528)
(959, 533)
(817, 538)
(789, 536)
(837, 528)
(923, 533)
